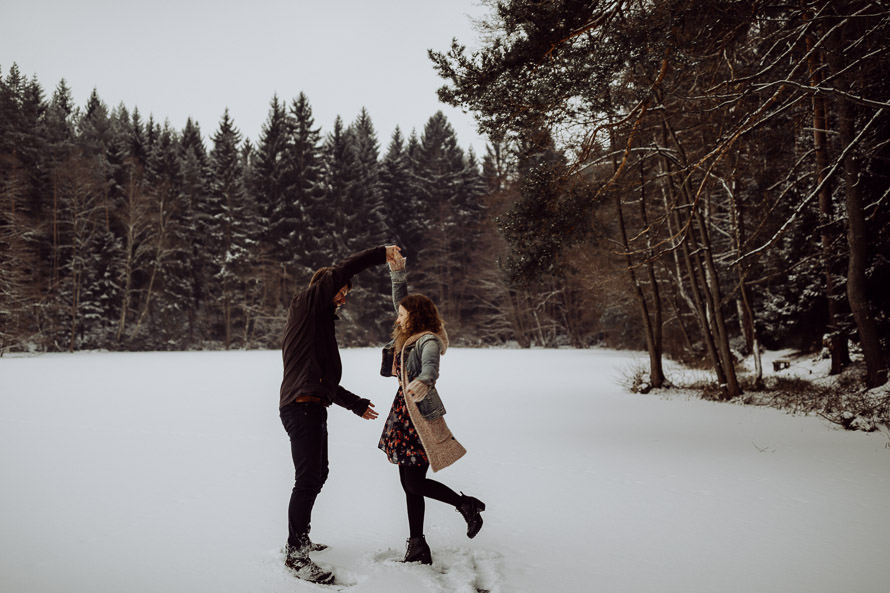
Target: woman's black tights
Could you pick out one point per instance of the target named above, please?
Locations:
(418, 487)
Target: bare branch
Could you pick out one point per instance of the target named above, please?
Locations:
(813, 193)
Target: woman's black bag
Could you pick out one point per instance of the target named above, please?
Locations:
(389, 353)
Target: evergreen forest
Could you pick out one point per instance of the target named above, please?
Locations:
(124, 234)
(696, 179)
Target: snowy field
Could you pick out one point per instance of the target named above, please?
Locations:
(170, 473)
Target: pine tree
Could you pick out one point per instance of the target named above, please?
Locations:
(100, 295)
(306, 196)
(23, 154)
(59, 132)
(80, 223)
(368, 219)
(167, 245)
(16, 192)
(195, 183)
(331, 215)
(269, 170)
(473, 217)
(137, 142)
(13, 226)
(366, 227)
(229, 217)
(109, 288)
(447, 212)
(268, 181)
(80, 217)
(94, 127)
(399, 195)
(127, 194)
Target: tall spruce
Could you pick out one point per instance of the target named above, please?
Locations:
(332, 215)
(305, 194)
(228, 216)
(195, 187)
(278, 213)
(447, 211)
(367, 226)
(166, 290)
(398, 193)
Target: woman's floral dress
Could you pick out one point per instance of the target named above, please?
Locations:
(399, 439)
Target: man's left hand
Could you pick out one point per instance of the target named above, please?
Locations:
(370, 413)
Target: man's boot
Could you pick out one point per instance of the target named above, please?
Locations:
(298, 561)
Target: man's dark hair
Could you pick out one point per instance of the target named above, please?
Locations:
(321, 272)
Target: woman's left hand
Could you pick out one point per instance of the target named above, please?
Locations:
(418, 389)
(397, 263)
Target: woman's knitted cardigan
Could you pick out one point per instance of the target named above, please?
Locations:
(442, 449)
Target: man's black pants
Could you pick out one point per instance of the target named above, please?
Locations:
(307, 426)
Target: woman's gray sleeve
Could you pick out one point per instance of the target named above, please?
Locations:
(429, 361)
(399, 286)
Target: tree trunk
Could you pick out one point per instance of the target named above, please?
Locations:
(701, 307)
(837, 340)
(160, 240)
(857, 291)
(745, 310)
(130, 249)
(730, 387)
(656, 369)
(700, 290)
(653, 342)
(227, 315)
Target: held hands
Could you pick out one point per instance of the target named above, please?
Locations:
(394, 257)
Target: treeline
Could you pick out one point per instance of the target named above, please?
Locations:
(118, 233)
(733, 156)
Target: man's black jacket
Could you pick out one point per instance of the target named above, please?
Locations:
(311, 359)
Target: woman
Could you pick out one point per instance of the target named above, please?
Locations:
(415, 436)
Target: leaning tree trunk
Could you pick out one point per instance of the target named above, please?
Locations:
(745, 309)
(702, 278)
(656, 374)
(657, 349)
(730, 388)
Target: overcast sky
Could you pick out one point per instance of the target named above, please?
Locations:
(179, 58)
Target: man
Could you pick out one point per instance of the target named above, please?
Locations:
(311, 383)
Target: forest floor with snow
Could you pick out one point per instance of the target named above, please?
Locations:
(794, 381)
(170, 472)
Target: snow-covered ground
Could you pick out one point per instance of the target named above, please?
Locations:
(170, 472)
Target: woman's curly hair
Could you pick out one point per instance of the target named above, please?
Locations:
(423, 316)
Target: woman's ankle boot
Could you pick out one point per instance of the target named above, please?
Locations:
(471, 508)
(418, 551)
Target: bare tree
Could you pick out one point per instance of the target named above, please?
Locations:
(80, 191)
